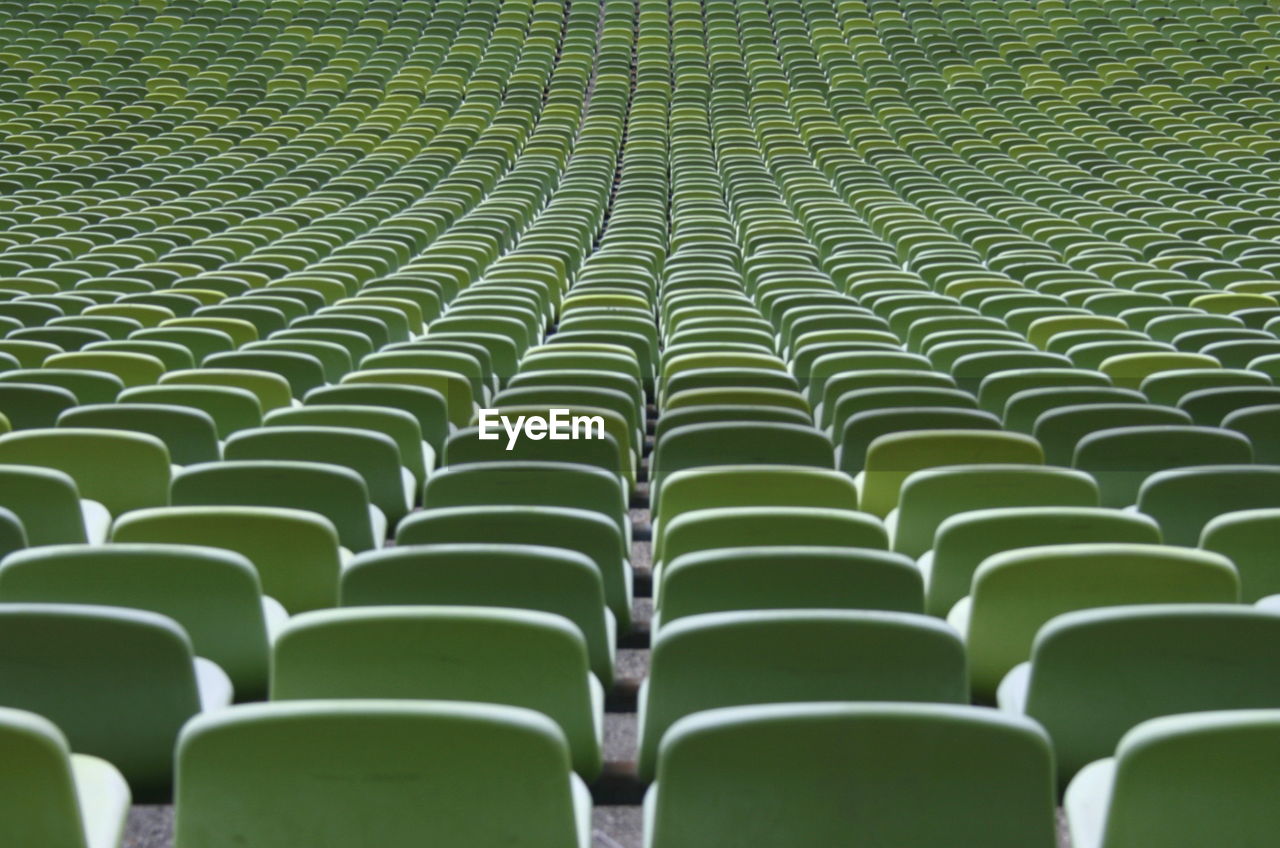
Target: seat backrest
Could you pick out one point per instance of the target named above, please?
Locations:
(214, 594)
(334, 491)
(1247, 538)
(190, 434)
(964, 540)
(756, 526)
(1097, 673)
(262, 772)
(1060, 430)
(46, 501)
(1121, 459)
(38, 801)
(833, 774)
(893, 457)
(584, 531)
(426, 405)
(863, 428)
(530, 484)
(1184, 500)
(231, 408)
(788, 577)
(1199, 779)
(794, 656)
(31, 405)
(118, 682)
(295, 552)
(372, 455)
(932, 495)
(1015, 592)
(486, 654)
(554, 580)
(122, 470)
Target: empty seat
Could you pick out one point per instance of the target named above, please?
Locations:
(52, 797)
(504, 656)
(726, 659)
(1121, 459)
(213, 594)
(190, 435)
(1182, 782)
(787, 577)
(892, 458)
(932, 495)
(1184, 500)
(1247, 538)
(964, 540)
(579, 530)
(333, 491)
(295, 552)
(120, 470)
(118, 682)
(553, 580)
(1014, 593)
(1094, 674)
(834, 774)
(464, 774)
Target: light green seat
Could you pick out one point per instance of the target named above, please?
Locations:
(333, 491)
(214, 594)
(873, 775)
(1094, 674)
(932, 495)
(302, 372)
(87, 386)
(426, 405)
(995, 389)
(1129, 370)
(486, 654)
(1121, 459)
(455, 388)
(1182, 782)
(553, 580)
(190, 435)
(787, 577)
(857, 401)
(295, 552)
(230, 407)
(1061, 429)
(964, 540)
(465, 446)
(731, 658)
(892, 458)
(755, 526)
(118, 682)
(863, 428)
(751, 485)
(464, 774)
(554, 484)
(1247, 539)
(372, 455)
(1015, 592)
(133, 369)
(396, 424)
(118, 469)
(1185, 500)
(748, 443)
(585, 531)
(271, 390)
(1169, 387)
(52, 797)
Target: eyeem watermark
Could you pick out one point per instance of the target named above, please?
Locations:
(558, 426)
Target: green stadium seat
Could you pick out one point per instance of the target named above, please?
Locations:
(256, 770)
